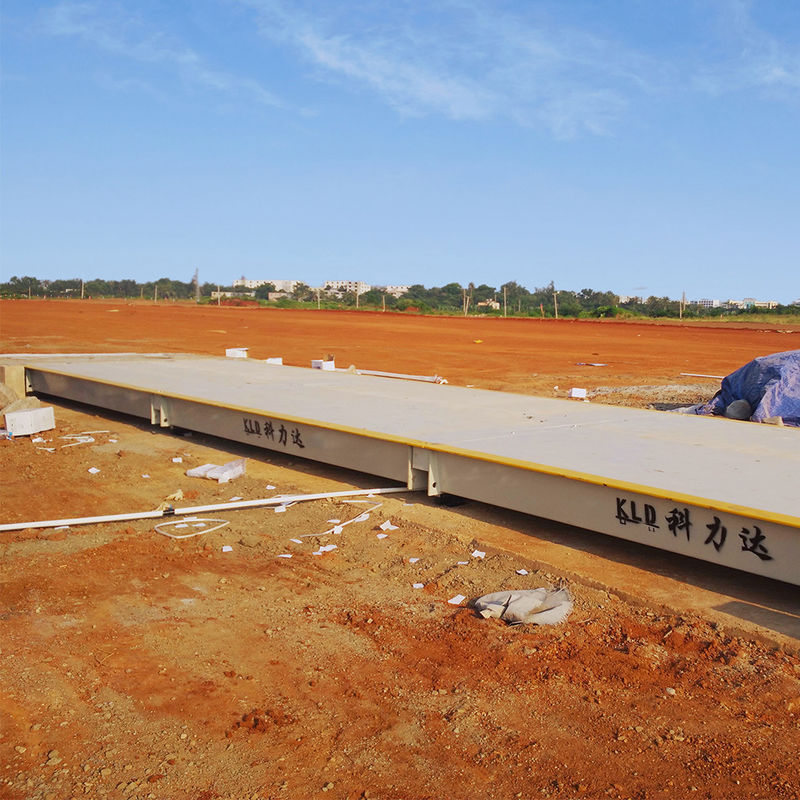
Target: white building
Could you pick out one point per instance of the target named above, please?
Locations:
(394, 290)
(280, 285)
(343, 287)
(705, 303)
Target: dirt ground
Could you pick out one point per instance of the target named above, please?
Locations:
(140, 666)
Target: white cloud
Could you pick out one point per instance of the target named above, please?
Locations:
(465, 62)
(114, 30)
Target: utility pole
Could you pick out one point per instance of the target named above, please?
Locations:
(318, 303)
(82, 288)
(155, 292)
(357, 295)
(383, 299)
(682, 305)
(505, 307)
(219, 296)
(555, 301)
(197, 285)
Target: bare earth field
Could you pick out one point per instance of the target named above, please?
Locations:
(138, 666)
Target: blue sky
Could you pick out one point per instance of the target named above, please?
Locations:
(640, 146)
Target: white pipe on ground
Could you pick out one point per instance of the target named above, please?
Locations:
(278, 500)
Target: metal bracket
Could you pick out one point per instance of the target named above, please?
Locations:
(159, 411)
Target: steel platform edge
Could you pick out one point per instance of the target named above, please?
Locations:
(416, 436)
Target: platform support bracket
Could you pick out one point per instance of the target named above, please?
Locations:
(159, 411)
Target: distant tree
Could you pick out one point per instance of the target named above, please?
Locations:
(303, 292)
(262, 293)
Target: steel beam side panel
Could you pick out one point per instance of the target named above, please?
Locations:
(93, 393)
(751, 545)
(361, 453)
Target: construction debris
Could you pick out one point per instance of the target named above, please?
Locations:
(536, 606)
(30, 421)
(220, 474)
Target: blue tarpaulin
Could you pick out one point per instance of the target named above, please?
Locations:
(770, 384)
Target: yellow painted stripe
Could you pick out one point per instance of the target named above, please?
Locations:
(530, 466)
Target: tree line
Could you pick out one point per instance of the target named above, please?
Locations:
(509, 299)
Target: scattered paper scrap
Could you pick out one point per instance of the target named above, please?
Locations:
(280, 509)
(296, 541)
(537, 606)
(418, 585)
(522, 572)
(61, 528)
(93, 470)
(37, 440)
(284, 555)
(457, 600)
(362, 517)
(577, 393)
(334, 521)
(270, 486)
(113, 441)
(478, 554)
(145, 475)
(387, 526)
(383, 535)
(226, 548)
(337, 529)
(413, 560)
(463, 563)
(235, 498)
(325, 548)
(177, 460)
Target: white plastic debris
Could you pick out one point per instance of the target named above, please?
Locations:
(413, 560)
(284, 555)
(201, 526)
(177, 460)
(387, 526)
(270, 487)
(382, 535)
(226, 548)
(536, 606)
(296, 541)
(462, 563)
(577, 394)
(325, 548)
(93, 470)
(418, 585)
(457, 600)
(334, 521)
(236, 352)
(145, 475)
(280, 509)
(275, 360)
(220, 474)
(522, 572)
(478, 554)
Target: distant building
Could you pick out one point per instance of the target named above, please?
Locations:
(343, 287)
(705, 303)
(280, 285)
(219, 295)
(493, 304)
(395, 291)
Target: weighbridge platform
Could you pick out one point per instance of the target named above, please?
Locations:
(713, 489)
